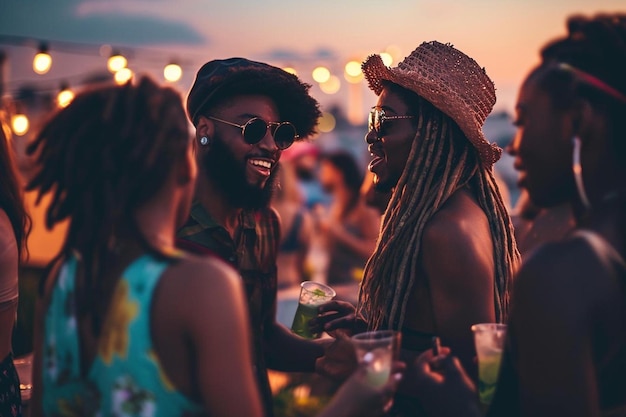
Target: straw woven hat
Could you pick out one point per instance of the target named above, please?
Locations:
(450, 80)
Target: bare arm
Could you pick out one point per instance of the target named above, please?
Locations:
(289, 352)
(458, 261)
(208, 301)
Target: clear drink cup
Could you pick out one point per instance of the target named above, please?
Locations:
(375, 351)
(312, 295)
(489, 340)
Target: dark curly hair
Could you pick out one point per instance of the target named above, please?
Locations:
(218, 81)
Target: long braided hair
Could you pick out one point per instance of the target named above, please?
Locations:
(101, 158)
(441, 161)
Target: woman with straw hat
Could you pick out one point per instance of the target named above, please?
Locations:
(446, 252)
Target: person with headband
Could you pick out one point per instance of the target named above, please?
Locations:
(446, 251)
(565, 353)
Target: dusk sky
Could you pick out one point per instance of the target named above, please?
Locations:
(504, 36)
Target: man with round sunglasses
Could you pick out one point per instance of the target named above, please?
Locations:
(245, 113)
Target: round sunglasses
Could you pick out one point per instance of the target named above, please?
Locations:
(377, 119)
(255, 129)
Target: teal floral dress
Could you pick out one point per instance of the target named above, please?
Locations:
(126, 378)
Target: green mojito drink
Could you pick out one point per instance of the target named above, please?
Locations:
(312, 295)
(489, 339)
(488, 369)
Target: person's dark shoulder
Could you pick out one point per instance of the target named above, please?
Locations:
(559, 275)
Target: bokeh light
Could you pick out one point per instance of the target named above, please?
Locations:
(321, 74)
(290, 70)
(20, 124)
(65, 97)
(331, 86)
(116, 62)
(327, 123)
(172, 72)
(42, 63)
(352, 72)
(387, 58)
(123, 75)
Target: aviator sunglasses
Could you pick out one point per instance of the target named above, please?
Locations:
(254, 131)
(377, 119)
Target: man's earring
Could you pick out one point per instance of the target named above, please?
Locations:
(204, 141)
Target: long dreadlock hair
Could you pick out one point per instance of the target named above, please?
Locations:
(101, 158)
(441, 161)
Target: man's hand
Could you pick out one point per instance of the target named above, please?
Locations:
(442, 385)
(358, 398)
(339, 360)
(337, 317)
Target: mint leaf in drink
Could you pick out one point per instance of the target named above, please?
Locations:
(319, 293)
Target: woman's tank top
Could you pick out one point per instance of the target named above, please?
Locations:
(126, 377)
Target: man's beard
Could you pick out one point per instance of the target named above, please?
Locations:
(229, 175)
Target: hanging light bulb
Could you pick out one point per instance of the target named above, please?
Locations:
(42, 61)
(172, 72)
(65, 96)
(116, 62)
(123, 75)
(19, 124)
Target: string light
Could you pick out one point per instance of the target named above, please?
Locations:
(123, 75)
(116, 62)
(42, 61)
(172, 72)
(19, 124)
(65, 96)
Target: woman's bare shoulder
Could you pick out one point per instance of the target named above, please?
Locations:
(563, 276)
(198, 275)
(460, 222)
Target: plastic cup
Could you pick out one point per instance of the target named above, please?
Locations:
(312, 295)
(489, 339)
(24, 367)
(375, 351)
